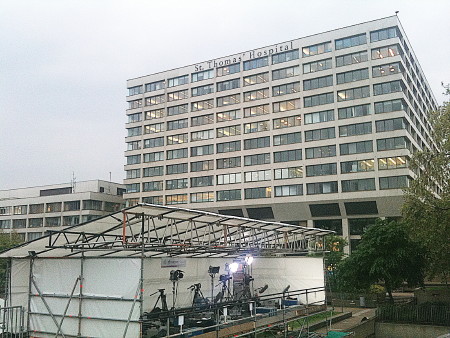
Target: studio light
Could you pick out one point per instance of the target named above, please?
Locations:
(234, 267)
(249, 259)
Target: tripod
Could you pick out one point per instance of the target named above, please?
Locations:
(198, 299)
(224, 291)
(161, 297)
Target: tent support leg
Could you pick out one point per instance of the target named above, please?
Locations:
(131, 311)
(80, 294)
(67, 306)
(30, 279)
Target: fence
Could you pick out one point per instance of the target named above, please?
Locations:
(415, 314)
(12, 321)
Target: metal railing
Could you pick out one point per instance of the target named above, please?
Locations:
(434, 314)
(12, 321)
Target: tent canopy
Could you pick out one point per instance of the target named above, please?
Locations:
(154, 230)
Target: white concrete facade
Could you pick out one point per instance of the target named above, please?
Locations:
(353, 100)
(31, 211)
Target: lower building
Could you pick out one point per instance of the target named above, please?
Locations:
(32, 211)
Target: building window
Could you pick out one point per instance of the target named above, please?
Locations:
(181, 183)
(228, 116)
(391, 124)
(257, 159)
(329, 224)
(290, 138)
(36, 208)
(256, 127)
(287, 122)
(154, 100)
(354, 111)
(151, 87)
(134, 90)
(202, 165)
(176, 199)
(202, 197)
(288, 173)
(227, 147)
(229, 178)
(51, 222)
(132, 118)
(152, 186)
(229, 131)
(393, 162)
(384, 34)
(133, 173)
(231, 162)
(133, 145)
(289, 190)
(229, 195)
(154, 128)
(92, 205)
(202, 90)
(228, 100)
(75, 205)
(177, 124)
(320, 152)
(228, 85)
(393, 143)
(352, 76)
(321, 169)
(37, 222)
(385, 70)
(154, 157)
(365, 184)
(287, 88)
(5, 224)
(317, 100)
(202, 120)
(253, 193)
(322, 188)
(256, 143)
(179, 168)
(256, 63)
(284, 73)
(135, 104)
(355, 129)
(133, 159)
(287, 155)
(136, 131)
(256, 110)
(388, 87)
(385, 52)
(356, 147)
(153, 200)
(357, 166)
(177, 110)
(351, 41)
(202, 135)
(256, 176)
(394, 182)
(153, 171)
(286, 105)
(176, 96)
(202, 105)
(177, 153)
(204, 75)
(178, 81)
(320, 134)
(177, 139)
(256, 95)
(230, 69)
(285, 56)
(353, 93)
(390, 106)
(51, 207)
(154, 114)
(202, 150)
(317, 66)
(320, 48)
(349, 59)
(319, 117)
(5, 211)
(202, 181)
(256, 79)
(154, 142)
(319, 82)
(358, 226)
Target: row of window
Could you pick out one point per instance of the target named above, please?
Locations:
(286, 56)
(47, 222)
(59, 206)
(393, 182)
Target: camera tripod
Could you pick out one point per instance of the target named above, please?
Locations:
(163, 299)
(224, 291)
(198, 299)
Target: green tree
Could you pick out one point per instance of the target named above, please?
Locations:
(386, 254)
(7, 241)
(334, 247)
(426, 209)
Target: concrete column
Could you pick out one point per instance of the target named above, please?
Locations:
(346, 234)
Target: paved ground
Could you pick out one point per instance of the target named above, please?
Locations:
(357, 315)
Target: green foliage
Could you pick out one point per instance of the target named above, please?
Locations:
(334, 245)
(7, 240)
(427, 213)
(386, 255)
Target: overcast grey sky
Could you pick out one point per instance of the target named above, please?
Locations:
(64, 65)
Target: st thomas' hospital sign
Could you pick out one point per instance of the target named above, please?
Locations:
(254, 54)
